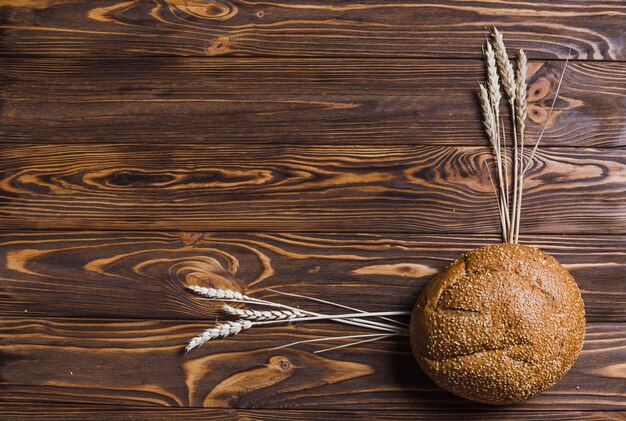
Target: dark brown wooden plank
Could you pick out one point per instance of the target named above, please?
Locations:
(304, 101)
(142, 275)
(422, 189)
(451, 28)
(141, 363)
(20, 412)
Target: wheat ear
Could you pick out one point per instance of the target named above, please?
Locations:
(505, 67)
(493, 82)
(489, 121)
(490, 125)
(219, 294)
(222, 330)
(495, 97)
(260, 315)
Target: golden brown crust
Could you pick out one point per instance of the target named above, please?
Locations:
(499, 324)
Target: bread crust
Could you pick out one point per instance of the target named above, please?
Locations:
(499, 324)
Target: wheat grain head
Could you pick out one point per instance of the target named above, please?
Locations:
(504, 65)
(221, 330)
(260, 315)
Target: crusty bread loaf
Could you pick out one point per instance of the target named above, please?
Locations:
(499, 324)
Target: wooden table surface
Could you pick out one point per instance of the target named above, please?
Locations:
(331, 148)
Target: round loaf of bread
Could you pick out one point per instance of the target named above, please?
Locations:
(499, 324)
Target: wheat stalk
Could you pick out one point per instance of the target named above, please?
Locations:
(329, 338)
(319, 300)
(545, 123)
(490, 125)
(507, 78)
(506, 172)
(515, 87)
(219, 294)
(251, 300)
(339, 317)
(222, 330)
(489, 120)
(377, 338)
(248, 318)
(521, 93)
(261, 315)
(493, 82)
(495, 96)
(520, 119)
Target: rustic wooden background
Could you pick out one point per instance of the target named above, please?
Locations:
(326, 147)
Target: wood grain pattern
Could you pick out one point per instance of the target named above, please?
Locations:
(19, 412)
(331, 148)
(91, 361)
(142, 275)
(300, 101)
(434, 189)
(451, 28)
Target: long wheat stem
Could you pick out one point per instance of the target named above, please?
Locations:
(332, 317)
(515, 177)
(491, 128)
(545, 123)
(355, 321)
(506, 175)
(501, 210)
(507, 77)
(495, 96)
(520, 120)
(361, 321)
(281, 316)
(319, 300)
(331, 338)
(379, 337)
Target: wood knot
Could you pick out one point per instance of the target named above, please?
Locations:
(136, 178)
(537, 114)
(316, 269)
(213, 10)
(190, 238)
(219, 45)
(539, 89)
(204, 271)
(280, 363)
